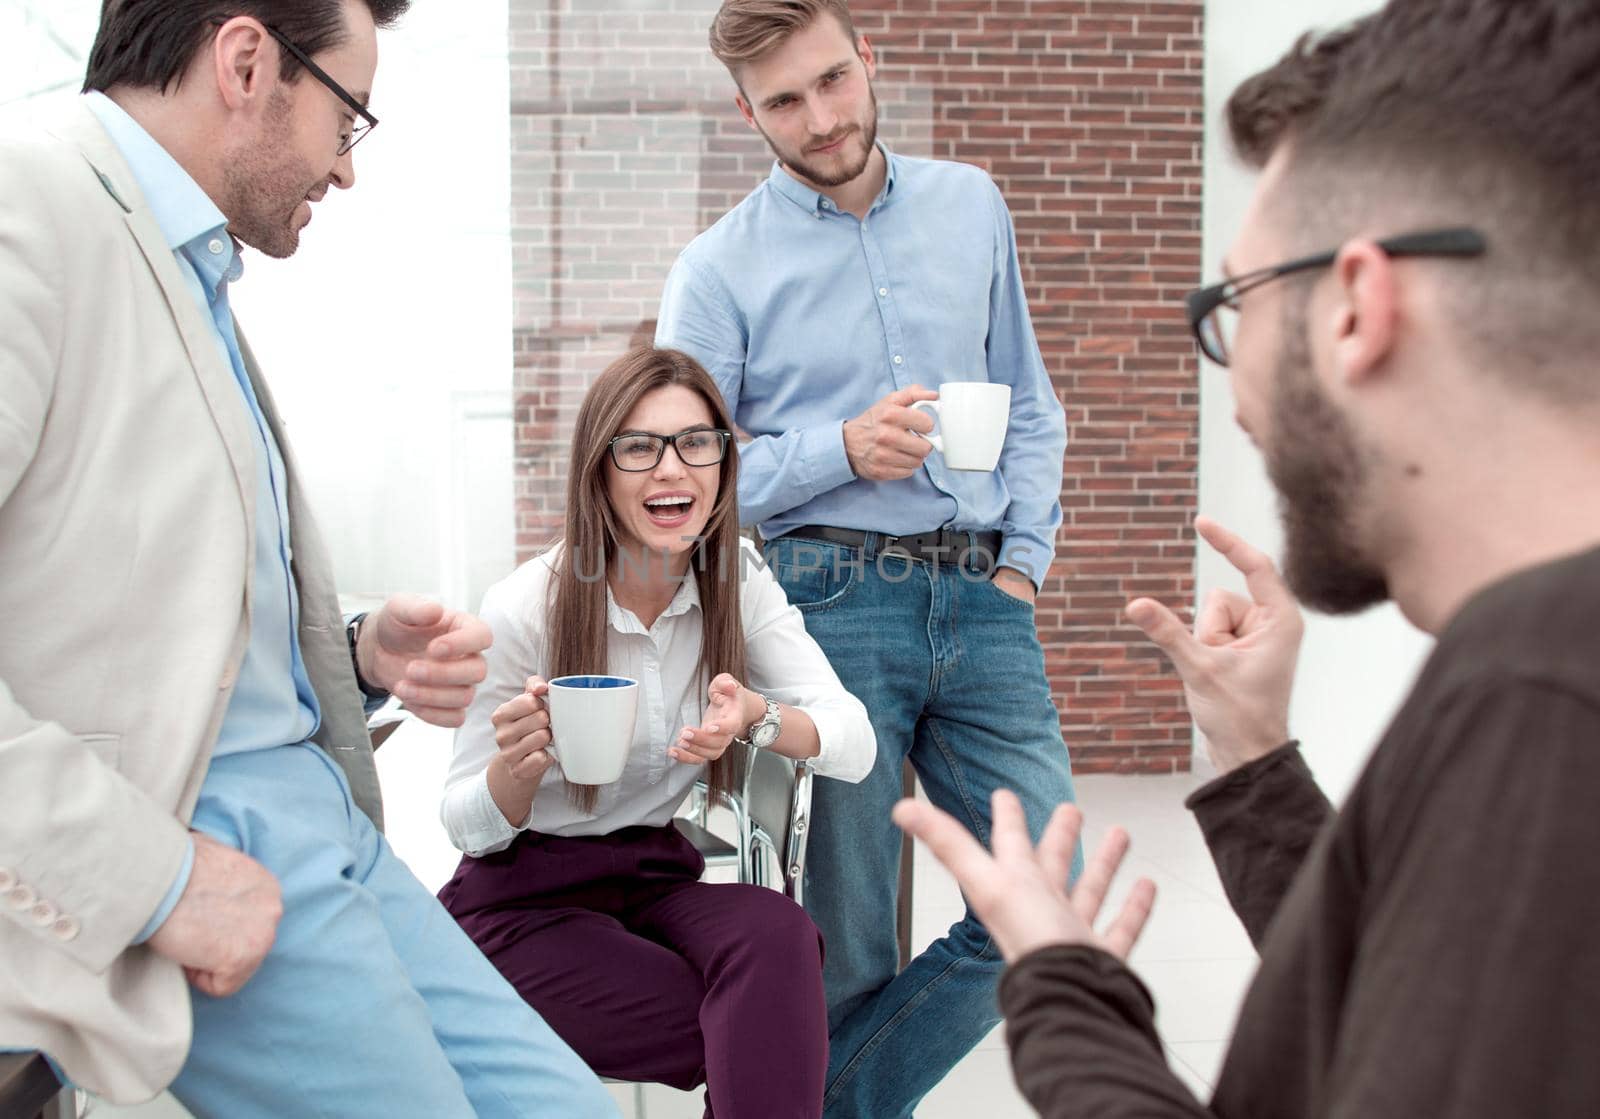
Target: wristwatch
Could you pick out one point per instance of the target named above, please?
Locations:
(352, 635)
(764, 732)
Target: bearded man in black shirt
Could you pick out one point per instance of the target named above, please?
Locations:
(1409, 322)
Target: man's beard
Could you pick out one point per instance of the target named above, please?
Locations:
(867, 130)
(1319, 471)
(265, 189)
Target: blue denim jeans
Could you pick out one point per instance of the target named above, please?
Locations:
(952, 674)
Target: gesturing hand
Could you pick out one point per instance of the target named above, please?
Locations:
(522, 733)
(727, 713)
(878, 443)
(1238, 665)
(1020, 892)
(224, 924)
(428, 656)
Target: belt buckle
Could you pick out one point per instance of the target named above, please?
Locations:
(891, 546)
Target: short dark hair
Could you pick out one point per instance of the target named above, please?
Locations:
(1455, 112)
(1265, 107)
(150, 43)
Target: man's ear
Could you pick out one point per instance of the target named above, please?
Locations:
(245, 68)
(868, 59)
(1364, 318)
(745, 110)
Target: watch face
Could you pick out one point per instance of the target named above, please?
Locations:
(764, 735)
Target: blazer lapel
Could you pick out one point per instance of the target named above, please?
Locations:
(212, 372)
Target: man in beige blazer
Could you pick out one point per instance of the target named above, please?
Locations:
(189, 788)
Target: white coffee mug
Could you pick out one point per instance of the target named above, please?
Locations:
(591, 726)
(972, 423)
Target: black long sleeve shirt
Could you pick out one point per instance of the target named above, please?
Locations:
(1433, 950)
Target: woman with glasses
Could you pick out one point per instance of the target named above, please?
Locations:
(587, 898)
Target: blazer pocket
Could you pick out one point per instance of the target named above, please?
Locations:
(106, 747)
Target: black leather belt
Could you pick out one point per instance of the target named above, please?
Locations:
(979, 550)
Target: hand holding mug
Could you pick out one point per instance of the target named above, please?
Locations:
(522, 733)
(882, 443)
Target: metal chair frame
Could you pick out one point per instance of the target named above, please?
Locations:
(763, 824)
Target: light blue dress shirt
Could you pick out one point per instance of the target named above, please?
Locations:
(806, 316)
(272, 703)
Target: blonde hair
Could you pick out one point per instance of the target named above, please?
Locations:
(747, 31)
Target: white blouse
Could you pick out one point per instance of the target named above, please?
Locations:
(784, 663)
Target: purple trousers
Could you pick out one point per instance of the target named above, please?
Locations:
(652, 975)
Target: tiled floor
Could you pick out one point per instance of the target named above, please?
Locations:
(1194, 956)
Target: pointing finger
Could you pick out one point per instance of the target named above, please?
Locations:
(1260, 573)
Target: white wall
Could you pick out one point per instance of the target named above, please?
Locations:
(1353, 671)
(387, 338)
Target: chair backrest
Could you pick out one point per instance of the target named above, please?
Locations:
(777, 803)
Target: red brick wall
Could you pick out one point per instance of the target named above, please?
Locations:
(1088, 115)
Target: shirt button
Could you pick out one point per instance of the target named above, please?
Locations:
(44, 914)
(215, 246)
(22, 896)
(65, 928)
(8, 878)
(883, 291)
(898, 359)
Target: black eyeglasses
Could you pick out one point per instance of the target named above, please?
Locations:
(635, 451)
(349, 139)
(1213, 311)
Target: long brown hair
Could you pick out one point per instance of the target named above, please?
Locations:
(576, 613)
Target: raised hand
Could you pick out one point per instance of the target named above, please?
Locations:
(1020, 891)
(880, 443)
(224, 924)
(429, 656)
(728, 711)
(1238, 664)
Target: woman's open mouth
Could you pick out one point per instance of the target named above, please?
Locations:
(668, 510)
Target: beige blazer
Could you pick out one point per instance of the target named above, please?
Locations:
(126, 506)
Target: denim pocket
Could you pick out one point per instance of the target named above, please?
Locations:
(1011, 599)
(814, 576)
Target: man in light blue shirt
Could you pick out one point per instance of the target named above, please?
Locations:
(326, 979)
(822, 305)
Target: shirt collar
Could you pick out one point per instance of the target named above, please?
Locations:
(187, 217)
(810, 200)
(686, 598)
